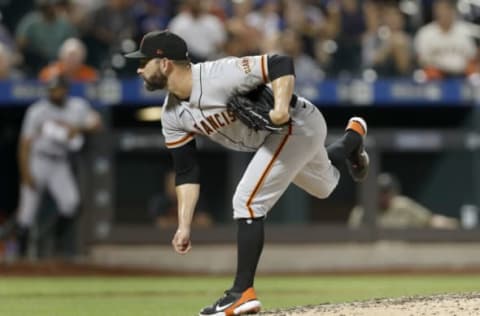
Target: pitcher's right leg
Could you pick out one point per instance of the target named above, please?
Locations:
(358, 161)
(350, 149)
(319, 177)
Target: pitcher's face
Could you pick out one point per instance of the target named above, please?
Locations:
(152, 75)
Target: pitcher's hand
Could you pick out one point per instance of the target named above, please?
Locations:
(181, 241)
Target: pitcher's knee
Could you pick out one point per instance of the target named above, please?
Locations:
(324, 192)
(243, 208)
(247, 212)
(240, 209)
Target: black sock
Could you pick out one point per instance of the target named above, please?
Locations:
(341, 149)
(250, 237)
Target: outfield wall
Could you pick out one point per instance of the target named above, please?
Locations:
(306, 258)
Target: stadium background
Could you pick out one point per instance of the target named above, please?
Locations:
(426, 132)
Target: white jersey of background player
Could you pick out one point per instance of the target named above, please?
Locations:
(196, 105)
(51, 128)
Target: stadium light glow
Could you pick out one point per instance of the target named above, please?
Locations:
(149, 114)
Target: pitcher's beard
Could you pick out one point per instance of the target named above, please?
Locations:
(156, 82)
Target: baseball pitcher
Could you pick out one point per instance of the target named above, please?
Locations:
(228, 100)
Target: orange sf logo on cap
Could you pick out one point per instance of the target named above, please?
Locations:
(159, 51)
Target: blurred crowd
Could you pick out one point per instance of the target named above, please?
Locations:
(84, 39)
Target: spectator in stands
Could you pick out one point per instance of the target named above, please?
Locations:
(348, 26)
(40, 34)
(445, 46)
(399, 211)
(70, 64)
(266, 20)
(386, 48)
(109, 26)
(307, 71)
(242, 38)
(163, 206)
(234, 45)
(76, 12)
(6, 38)
(7, 41)
(306, 20)
(13, 11)
(219, 8)
(152, 15)
(7, 71)
(204, 32)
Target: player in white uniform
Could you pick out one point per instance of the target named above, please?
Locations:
(51, 128)
(196, 105)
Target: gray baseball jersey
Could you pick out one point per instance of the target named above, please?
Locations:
(295, 154)
(48, 155)
(42, 115)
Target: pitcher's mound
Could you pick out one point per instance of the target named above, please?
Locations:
(436, 305)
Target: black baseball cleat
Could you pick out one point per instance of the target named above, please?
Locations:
(358, 162)
(232, 304)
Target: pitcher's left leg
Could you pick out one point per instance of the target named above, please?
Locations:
(270, 172)
(267, 176)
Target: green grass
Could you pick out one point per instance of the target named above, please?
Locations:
(175, 296)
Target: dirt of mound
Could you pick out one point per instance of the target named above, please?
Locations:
(438, 305)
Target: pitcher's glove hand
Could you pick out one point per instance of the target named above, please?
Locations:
(253, 109)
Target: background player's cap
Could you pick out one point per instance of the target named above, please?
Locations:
(161, 44)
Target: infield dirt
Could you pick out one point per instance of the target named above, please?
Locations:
(438, 305)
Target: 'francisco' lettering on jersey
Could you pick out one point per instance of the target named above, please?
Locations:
(205, 112)
(213, 122)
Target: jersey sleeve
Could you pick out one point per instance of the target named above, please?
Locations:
(31, 122)
(245, 73)
(174, 135)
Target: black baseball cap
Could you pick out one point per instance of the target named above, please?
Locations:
(161, 44)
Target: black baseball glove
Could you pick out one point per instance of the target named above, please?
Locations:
(253, 109)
